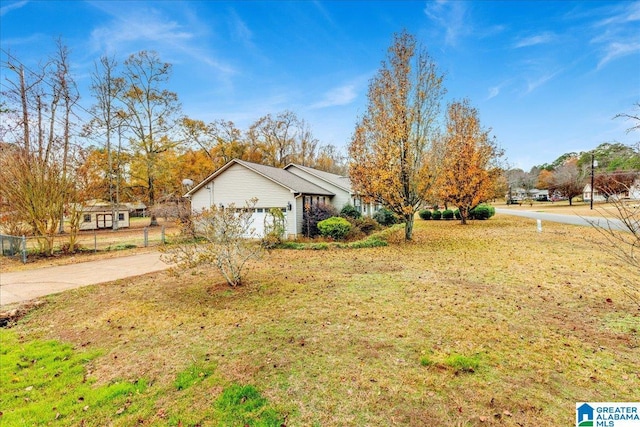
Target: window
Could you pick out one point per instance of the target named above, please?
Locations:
(86, 218)
(121, 216)
(260, 210)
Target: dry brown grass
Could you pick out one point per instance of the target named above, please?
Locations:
(335, 338)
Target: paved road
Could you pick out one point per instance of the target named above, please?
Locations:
(614, 224)
(20, 286)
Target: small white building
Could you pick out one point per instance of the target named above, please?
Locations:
(99, 215)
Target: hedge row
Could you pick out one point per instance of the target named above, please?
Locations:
(479, 212)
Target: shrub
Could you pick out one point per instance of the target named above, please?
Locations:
(436, 215)
(274, 228)
(482, 212)
(425, 214)
(349, 211)
(456, 214)
(447, 214)
(313, 214)
(385, 217)
(362, 227)
(225, 243)
(335, 227)
(370, 242)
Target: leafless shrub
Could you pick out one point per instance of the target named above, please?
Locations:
(622, 235)
(225, 239)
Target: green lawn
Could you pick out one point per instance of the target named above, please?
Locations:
(486, 324)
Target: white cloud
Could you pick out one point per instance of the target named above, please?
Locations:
(630, 12)
(342, 95)
(540, 81)
(451, 16)
(17, 5)
(617, 35)
(131, 29)
(493, 92)
(616, 50)
(543, 38)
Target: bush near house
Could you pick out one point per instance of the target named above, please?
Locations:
(482, 212)
(385, 217)
(335, 227)
(350, 211)
(436, 214)
(313, 214)
(362, 227)
(447, 214)
(425, 214)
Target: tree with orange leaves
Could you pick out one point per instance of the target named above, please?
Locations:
(469, 170)
(391, 142)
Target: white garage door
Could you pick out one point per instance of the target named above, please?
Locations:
(258, 221)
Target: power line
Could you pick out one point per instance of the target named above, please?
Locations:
(48, 83)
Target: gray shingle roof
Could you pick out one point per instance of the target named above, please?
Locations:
(286, 179)
(280, 176)
(337, 180)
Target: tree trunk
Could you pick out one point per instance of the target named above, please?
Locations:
(408, 227)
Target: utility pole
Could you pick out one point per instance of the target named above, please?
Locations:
(594, 163)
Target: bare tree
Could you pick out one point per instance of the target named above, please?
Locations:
(568, 180)
(224, 236)
(624, 244)
(107, 87)
(275, 137)
(151, 112)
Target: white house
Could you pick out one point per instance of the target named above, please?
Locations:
(288, 189)
(239, 181)
(597, 196)
(632, 193)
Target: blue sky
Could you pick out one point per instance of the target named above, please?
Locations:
(547, 77)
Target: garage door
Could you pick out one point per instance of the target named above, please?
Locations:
(258, 221)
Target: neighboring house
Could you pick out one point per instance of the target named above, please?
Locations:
(632, 193)
(288, 189)
(597, 196)
(99, 215)
(539, 195)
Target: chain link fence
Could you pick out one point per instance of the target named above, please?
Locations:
(15, 246)
(94, 241)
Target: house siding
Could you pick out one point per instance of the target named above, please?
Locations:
(341, 197)
(238, 184)
(105, 220)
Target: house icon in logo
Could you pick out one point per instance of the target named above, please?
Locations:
(584, 415)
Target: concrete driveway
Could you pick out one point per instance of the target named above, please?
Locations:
(20, 286)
